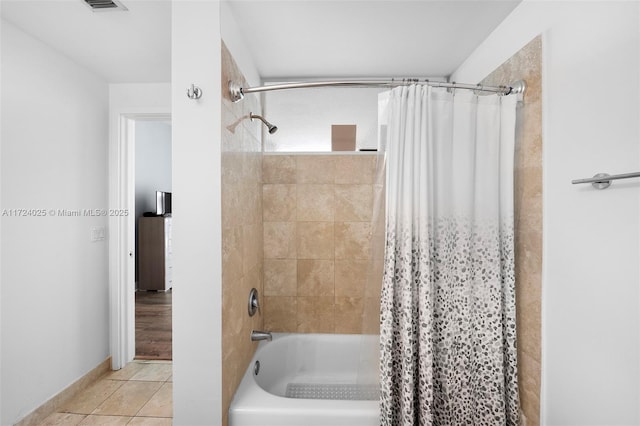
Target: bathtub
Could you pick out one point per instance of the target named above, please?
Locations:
(310, 380)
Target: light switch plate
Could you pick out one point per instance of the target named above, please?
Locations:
(98, 233)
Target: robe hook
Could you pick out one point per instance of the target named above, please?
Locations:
(194, 92)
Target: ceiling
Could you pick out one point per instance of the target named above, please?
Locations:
(122, 47)
(365, 38)
(287, 38)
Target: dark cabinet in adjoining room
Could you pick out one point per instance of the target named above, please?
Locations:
(155, 269)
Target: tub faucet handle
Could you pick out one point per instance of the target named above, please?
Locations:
(253, 302)
(257, 335)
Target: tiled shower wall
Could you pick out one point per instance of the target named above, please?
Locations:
(242, 260)
(526, 65)
(303, 224)
(317, 213)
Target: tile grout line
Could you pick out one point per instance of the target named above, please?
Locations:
(146, 402)
(104, 377)
(151, 397)
(101, 402)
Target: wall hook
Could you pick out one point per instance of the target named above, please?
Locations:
(194, 92)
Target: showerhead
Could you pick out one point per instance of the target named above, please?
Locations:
(272, 129)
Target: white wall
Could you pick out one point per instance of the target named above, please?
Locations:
(54, 279)
(138, 98)
(1, 207)
(591, 333)
(197, 27)
(197, 338)
(304, 116)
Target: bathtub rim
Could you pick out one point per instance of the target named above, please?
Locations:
(250, 397)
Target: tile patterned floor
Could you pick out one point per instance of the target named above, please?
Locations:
(138, 395)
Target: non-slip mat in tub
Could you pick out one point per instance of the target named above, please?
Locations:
(333, 391)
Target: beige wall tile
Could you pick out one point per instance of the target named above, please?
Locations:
(348, 315)
(279, 169)
(350, 277)
(280, 277)
(280, 314)
(352, 240)
(530, 396)
(375, 274)
(231, 169)
(529, 369)
(252, 166)
(279, 240)
(354, 203)
(528, 261)
(279, 202)
(230, 72)
(315, 314)
(350, 169)
(379, 200)
(230, 332)
(243, 233)
(528, 287)
(231, 360)
(371, 315)
(252, 246)
(315, 202)
(315, 277)
(232, 249)
(526, 65)
(320, 202)
(231, 204)
(529, 336)
(234, 305)
(315, 240)
(315, 168)
(529, 134)
(250, 211)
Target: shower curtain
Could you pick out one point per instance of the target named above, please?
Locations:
(448, 321)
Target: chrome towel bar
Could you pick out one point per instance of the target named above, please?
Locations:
(603, 180)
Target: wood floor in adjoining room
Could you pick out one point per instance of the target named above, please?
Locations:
(153, 325)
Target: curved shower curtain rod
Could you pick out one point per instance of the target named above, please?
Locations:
(237, 92)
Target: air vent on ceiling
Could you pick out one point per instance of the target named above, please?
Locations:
(104, 5)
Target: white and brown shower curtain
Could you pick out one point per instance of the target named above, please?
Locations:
(448, 320)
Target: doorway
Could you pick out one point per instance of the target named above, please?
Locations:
(154, 325)
(153, 247)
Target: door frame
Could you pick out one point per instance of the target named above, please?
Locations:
(122, 235)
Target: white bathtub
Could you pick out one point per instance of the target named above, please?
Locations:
(320, 365)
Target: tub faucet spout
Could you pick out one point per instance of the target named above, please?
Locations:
(260, 335)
